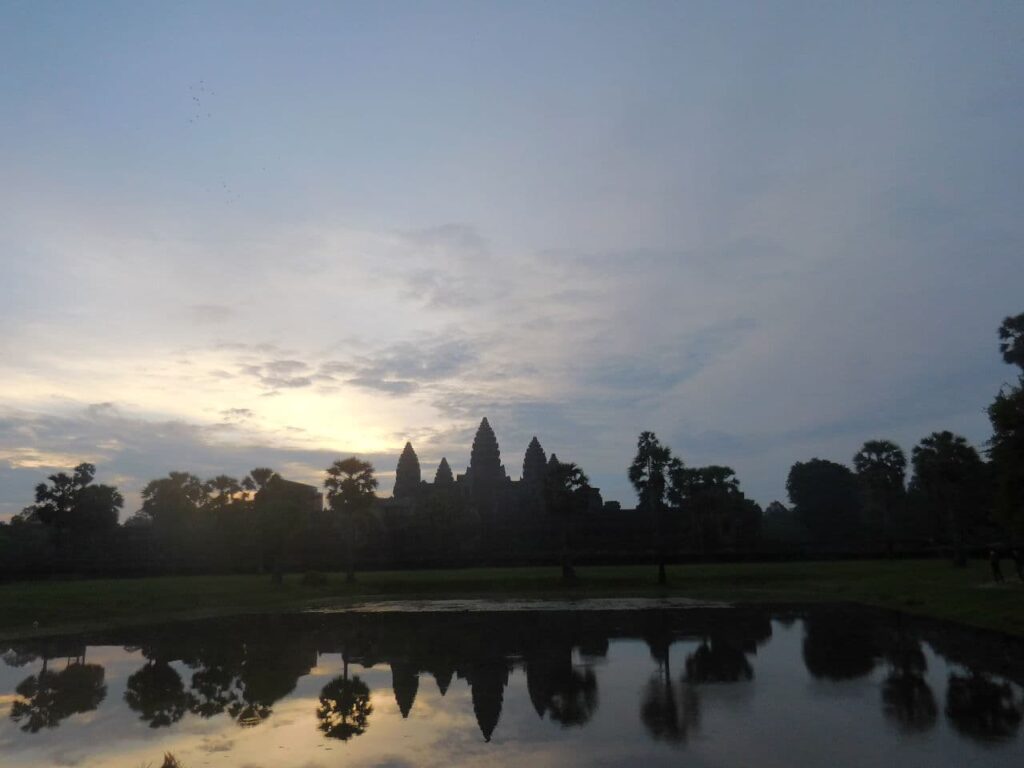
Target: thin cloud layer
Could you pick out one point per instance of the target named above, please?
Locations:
(767, 235)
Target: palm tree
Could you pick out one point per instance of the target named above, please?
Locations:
(647, 473)
(882, 467)
(565, 496)
(350, 485)
(948, 470)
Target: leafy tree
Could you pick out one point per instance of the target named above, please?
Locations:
(281, 513)
(344, 709)
(711, 499)
(949, 471)
(982, 708)
(574, 698)
(258, 478)
(648, 474)
(907, 699)
(157, 693)
(172, 504)
(1006, 448)
(826, 500)
(71, 506)
(565, 496)
(881, 466)
(780, 525)
(669, 713)
(50, 696)
(1011, 340)
(350, 488)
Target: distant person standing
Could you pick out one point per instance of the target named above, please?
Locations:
(1018, 564)
(997, 569)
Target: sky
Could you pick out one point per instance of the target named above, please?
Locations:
(276, 234)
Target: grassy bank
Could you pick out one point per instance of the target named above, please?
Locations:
(928, 587)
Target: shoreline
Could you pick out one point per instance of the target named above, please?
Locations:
(927, 588)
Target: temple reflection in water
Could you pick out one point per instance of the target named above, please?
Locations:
(243, 670)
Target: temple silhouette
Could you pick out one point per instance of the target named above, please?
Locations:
(483, 515)
(488, 506)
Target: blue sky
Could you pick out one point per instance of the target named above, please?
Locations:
(272, 233)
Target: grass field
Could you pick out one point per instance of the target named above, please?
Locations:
(924, 587)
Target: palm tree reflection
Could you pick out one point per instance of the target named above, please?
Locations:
(907, 699)
(344, 709)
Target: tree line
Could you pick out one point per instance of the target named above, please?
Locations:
(955, 499)
(243, 669)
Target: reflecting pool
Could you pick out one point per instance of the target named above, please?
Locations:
(701, 686)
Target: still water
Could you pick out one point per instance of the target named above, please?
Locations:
(824, 686)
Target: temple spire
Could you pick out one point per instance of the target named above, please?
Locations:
(407, 475)
(443, 477)
(534, 463)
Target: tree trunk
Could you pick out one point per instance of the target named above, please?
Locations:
(568, 572)
(660, 527)
(956, 529)
(350, 576)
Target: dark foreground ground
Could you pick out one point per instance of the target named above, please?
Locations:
(923, 587)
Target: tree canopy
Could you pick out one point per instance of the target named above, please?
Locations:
(72, 503)
(825, 496)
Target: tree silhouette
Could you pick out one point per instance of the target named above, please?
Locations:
(838, 646)
(350, 485)
(574, 699)
(71, 506)
(282, 510)
(949, 471)
(565, 497)
(907, 699)
(407, 475)
(344, 709)
(1011, 340)
(567, 694)
(669, 713)
(157, 693)
(881, 466)
(716, 507)
(716, 660)
(172, 504)
(982, 708)
(648, 474)
(825, 497)
(1006, 447)
(51, 696)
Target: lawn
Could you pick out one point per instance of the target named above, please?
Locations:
(924, 587)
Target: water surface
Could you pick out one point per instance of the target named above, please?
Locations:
(700, 686)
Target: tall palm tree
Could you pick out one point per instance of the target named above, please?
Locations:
(647, 473)
(350, 485)
(565, 496)
(882, 467)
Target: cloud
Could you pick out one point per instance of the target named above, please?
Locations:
(139, 449)
(208, 314)
(279, 374)
(404, 368)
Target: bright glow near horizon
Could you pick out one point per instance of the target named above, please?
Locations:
(768, 234)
